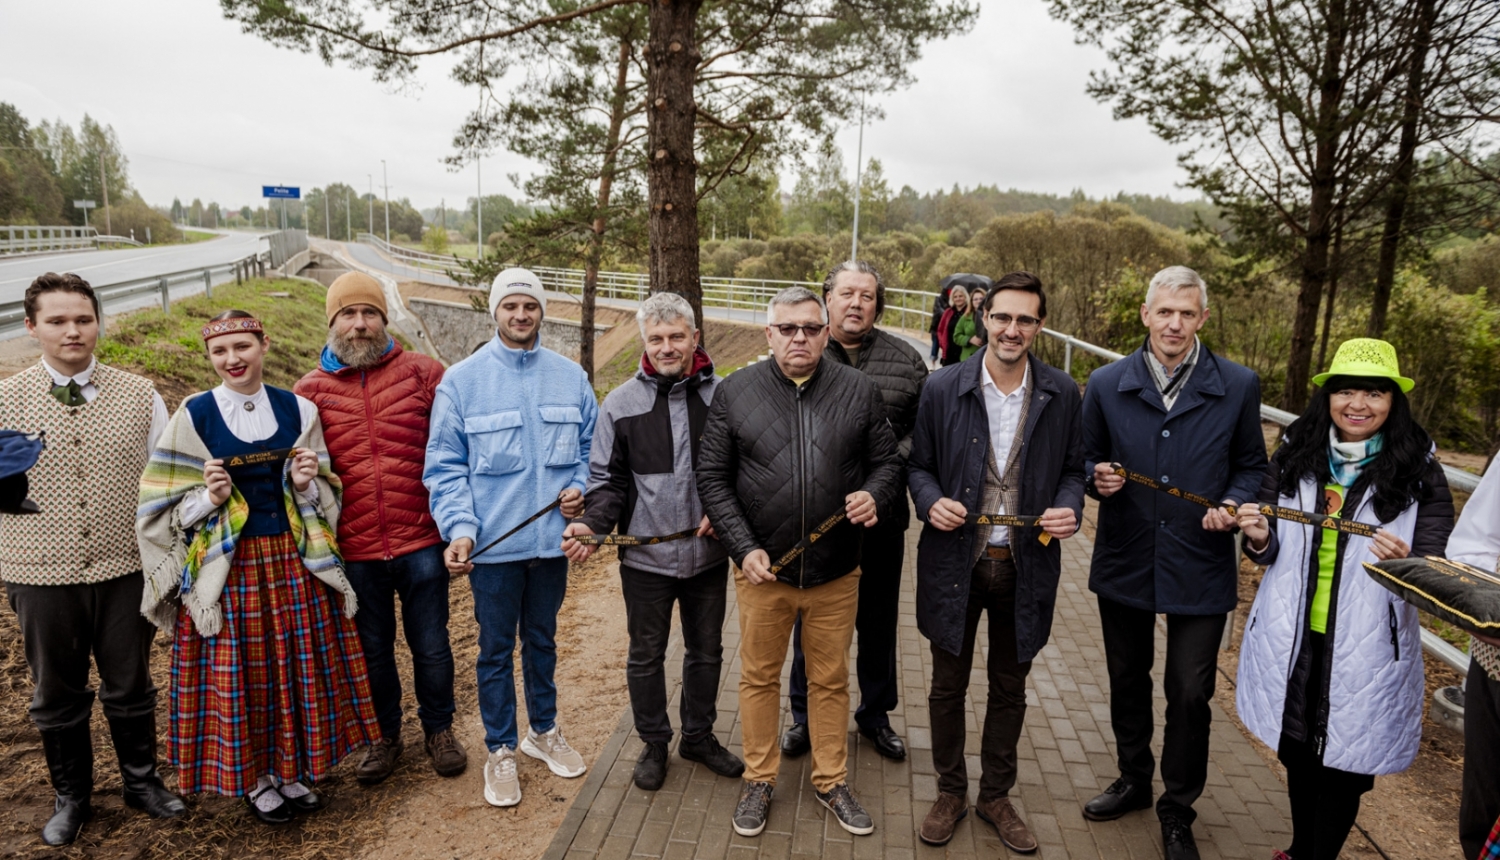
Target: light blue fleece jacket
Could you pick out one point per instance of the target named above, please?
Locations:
(510, 430)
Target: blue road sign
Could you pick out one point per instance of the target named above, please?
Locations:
(281, 192)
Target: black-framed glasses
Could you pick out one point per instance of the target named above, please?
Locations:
(789, 330)
(1023, 323)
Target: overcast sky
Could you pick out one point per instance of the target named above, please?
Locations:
(203, 110)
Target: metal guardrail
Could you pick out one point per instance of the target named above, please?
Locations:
(13, 314)
(31, 238)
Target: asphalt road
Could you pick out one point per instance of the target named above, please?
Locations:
(102, 268)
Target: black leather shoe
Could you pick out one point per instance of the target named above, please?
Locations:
(278, 814)
(70, 763)
(710, 753)
(795, 741)
(309, 802)
(1177, 839)
(651, 768)
(886, 741)
(135, 746)
(1121, 797)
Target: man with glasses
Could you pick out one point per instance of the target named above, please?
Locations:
(1190, 419)
(797, 455)
(999, 433)
(856, 297)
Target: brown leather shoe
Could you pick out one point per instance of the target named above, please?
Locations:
(942, 818)
(379, 761)
(449, 758)
(1013, 831)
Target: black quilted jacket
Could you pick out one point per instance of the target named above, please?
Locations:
(899, 372)
(776, 460)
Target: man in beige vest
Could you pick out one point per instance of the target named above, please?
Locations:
(72, 573)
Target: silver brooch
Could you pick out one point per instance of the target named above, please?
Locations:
(249, 407)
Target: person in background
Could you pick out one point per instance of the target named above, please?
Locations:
(939, 305)
(511, 430)
(1476, 541)
(237, 522)
(969, 331)
(79, 596)
(641, 480)
(374, 400)
(1190, 419)
(1330, 665)
(958, 308)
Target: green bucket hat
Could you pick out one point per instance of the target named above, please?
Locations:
(1366, 356)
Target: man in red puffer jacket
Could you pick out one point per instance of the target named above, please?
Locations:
(374, 400)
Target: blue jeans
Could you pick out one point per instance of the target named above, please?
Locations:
(525, 594)
(420, 580)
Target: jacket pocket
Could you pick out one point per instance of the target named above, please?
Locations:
(560, 426)
(496, 443)
(1395, 632)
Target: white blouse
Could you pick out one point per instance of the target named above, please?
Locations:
(250, 418)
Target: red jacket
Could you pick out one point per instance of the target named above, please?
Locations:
(375, 422)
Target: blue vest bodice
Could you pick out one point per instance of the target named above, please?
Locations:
(261, 485)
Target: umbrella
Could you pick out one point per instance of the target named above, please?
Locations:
(18, 452)
(969, 282)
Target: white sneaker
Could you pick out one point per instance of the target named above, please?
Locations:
(501, 785)
(553, 749)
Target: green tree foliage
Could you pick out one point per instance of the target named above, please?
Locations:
(29, 193)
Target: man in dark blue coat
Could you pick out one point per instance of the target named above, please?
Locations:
(999, 433)
(1190, 419)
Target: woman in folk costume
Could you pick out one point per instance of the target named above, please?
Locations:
(1331, 663)
(236, 524)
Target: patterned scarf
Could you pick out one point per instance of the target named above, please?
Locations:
(192, 565)
(1347, 459)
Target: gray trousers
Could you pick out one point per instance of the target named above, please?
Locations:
(62, 626)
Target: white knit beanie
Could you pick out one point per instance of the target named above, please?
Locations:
(517, 281)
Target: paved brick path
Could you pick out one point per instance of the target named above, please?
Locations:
(1066, 757)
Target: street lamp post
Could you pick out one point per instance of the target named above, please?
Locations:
(370, 224)
(858, 180)
(385, 180)
(479, 207)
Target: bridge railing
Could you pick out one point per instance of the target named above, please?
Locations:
(30, 238)
(13, 314)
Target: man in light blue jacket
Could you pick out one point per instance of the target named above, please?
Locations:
(511, 429)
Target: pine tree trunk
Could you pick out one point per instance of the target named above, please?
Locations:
(672, 59)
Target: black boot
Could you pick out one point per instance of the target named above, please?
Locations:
(135, 746)
(70, 761)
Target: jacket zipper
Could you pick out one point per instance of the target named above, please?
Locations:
(1395, 637)
(801, 486)
(385, 540)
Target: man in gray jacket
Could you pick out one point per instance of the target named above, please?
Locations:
(641, 480)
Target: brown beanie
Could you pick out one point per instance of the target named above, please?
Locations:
(354, 288)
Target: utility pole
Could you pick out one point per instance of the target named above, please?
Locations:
(859, 160)
(385, 179)
(105, 184)
(327, 225)
(347, 225)
(479, 208)
(370, 224)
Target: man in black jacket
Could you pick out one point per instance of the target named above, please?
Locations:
(793, 447)
(1000, 433)
(855, 297)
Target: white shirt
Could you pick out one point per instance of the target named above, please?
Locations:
(1004, 412)
(89, 390)
(247, 425)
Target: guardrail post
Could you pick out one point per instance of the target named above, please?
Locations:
(166, 296)
(1068, 356)
(208, 284)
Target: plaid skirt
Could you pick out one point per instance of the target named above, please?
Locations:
(283, 688)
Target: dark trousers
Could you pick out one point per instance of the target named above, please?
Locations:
(874, 625)
(1192, 661)
(701, 602)
(1325, 801)
(420, 581)
(1481, 798)
(992, 590)
(62, 626)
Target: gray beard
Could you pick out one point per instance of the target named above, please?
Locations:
(359, 354)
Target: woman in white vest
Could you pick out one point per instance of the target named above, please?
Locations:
(1331, 664)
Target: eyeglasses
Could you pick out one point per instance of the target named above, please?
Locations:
(1023, 323)
(789, 330)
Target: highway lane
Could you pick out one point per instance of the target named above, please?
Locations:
(102, 268)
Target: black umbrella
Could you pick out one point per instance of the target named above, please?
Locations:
(969, 282)
(18, 452)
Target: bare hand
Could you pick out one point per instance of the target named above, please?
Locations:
(572, 503)
(706, 528)
(456, 557)
(757, 567)
(860, 506)
(575, 551)
(1106, 482)
(946, 514)
(1254, 524)
(1387, 546)
(304, 469)
(216, 478)
(1220, 519)
(1059, 522)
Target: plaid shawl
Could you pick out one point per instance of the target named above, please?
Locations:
(192, 564)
